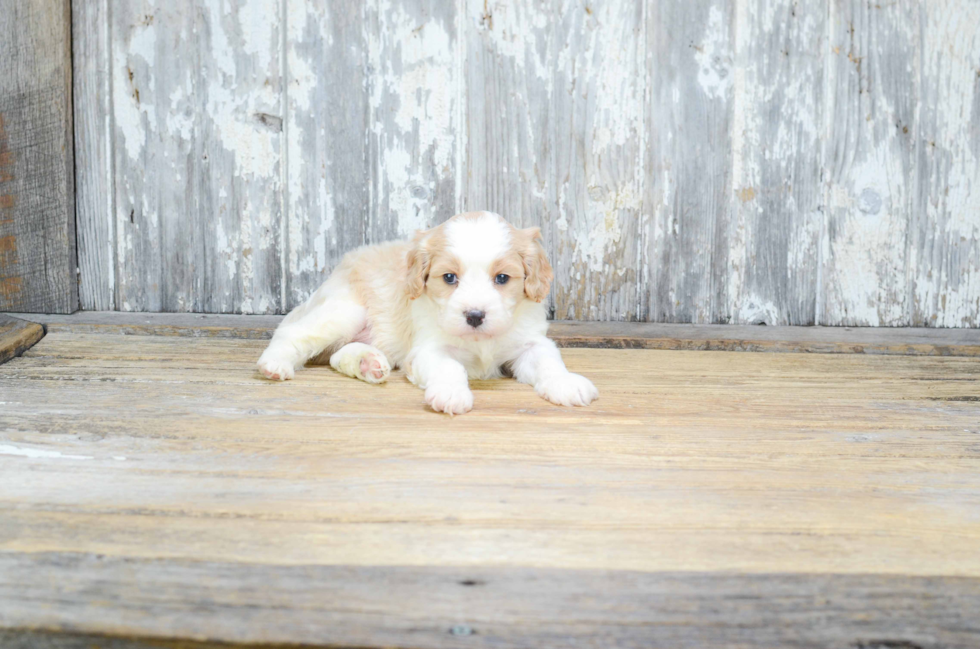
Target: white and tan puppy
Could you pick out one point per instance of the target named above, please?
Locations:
(459, 301)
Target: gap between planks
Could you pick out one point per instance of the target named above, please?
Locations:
(617, 335)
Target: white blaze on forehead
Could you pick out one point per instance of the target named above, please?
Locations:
(478, 242)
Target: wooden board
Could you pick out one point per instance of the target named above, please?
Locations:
(623, 335)
(197, 181)
(777, 186)
(512, 608)
(156, 486)
(869, 159)
(17, 336)
(785, 162)
(688, 173)
(37, 196)
(944, 257)
(94, 146)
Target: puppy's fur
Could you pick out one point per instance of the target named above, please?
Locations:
(459, 301)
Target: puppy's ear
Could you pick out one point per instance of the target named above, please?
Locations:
(537, 271)
(418, 266)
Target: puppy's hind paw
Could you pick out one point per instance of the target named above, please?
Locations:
(567, 390)
(275, 370)
(374, 367)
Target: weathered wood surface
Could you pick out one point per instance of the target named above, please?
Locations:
(195, 167)
(508, 607)
(17, 336)
(94, 142)
(155, 486)
(714, 161)
(37, 196)
(617, 335)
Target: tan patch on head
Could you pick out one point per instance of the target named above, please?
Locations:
(428, 248)
(538, 272)
(511, 265)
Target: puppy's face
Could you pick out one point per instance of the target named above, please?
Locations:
(476, 268)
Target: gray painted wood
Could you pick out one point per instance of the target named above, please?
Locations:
(554, 99)
(372, 128)
(93, 153)
(777, 131)
(597, 63)
(326, 127)
(869, 150)
(415, 116)
(713, 161)
(197, 110)
(140, 603)
(509, 150)
(37, 196)
(688, 171)
(945, 217)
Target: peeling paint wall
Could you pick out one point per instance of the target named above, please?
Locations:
(709, 161)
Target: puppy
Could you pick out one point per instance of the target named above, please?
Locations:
(459, 301)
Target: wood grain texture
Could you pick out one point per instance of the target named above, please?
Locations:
(17, 336)
(554, 108)
(776, 131)
(327, 125)
(157, 487)
(509, 146)
(687, 204)
(597, 112)
(414, 108)
(717, 161)
(869, 159)
(37, 195)
(197, 110)
(945, 219)
(472, 607)
(903, 341)
(94, 142)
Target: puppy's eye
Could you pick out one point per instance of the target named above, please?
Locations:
(450, 278)
(502, 279)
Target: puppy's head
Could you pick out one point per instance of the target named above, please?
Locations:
(476, 268)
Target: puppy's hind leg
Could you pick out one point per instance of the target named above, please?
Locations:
(361, 362)
(320, 323)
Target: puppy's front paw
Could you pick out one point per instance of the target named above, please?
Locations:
(449, 398)
(275, 369)
(567, 390)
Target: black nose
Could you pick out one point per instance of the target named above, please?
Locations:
(475, 318)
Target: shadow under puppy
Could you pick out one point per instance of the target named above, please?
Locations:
(459, 301)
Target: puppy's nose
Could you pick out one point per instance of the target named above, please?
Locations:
(475, 318)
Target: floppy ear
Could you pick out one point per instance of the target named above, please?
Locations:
(537, 271)
(418, 266)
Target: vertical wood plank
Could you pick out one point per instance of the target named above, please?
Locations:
(509, 160)
(93, 154)
(38, 259)
(197, 155)
(871, 124)
(327, 140)
(777, 194)
(945, 248)
(414, 129)
(554, 139)
(687, 199)
(597, 108)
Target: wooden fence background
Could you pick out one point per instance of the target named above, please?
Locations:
(711, 161)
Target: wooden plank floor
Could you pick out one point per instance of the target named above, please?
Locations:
(154, 488)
